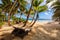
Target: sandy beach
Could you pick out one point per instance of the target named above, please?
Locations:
(40, 31)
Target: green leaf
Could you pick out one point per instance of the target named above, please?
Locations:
(35, 3)
(35, 8)
(42, 8)
(32, 12)
(11, 0)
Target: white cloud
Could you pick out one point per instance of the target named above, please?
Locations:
(46, 13)
(49, 9)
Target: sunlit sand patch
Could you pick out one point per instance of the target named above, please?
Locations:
(5, 30)
(53, 33)
(38, 32)
(44, 31)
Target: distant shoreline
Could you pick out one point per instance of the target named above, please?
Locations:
(43, 20)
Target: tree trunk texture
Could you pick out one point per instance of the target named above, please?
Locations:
(33, 18)
(9, 15)
(37, 16)
(28, 15)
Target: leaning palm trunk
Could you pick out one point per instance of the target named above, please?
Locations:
(28, 15)
(32, 19)
(9, 15)
(35, 20)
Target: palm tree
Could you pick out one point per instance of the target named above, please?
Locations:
(10, 12)
(33, 18)
(48, 1)
(56, 6)
(38, 9)
(35, 5)
(28, 13)
(12, 7)
(7, 8)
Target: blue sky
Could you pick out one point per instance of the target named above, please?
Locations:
(46, 15)
(43, 15)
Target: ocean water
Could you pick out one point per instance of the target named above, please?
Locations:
(43, 20)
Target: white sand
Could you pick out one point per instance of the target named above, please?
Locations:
(42, 31)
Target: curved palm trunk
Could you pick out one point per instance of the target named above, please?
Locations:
(9, 15)
(28, 15)
(35, 20)
(20, 12)
(32, 19)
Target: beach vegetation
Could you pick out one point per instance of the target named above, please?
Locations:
(56, 6)
(11, 7)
